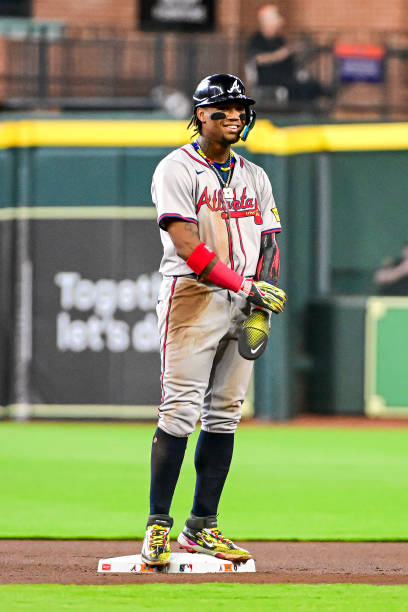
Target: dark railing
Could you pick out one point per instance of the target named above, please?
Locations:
(69, 72)
(79, 73)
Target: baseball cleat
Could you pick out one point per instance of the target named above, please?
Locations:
(253, 335)
(156, 544)
(210, 541)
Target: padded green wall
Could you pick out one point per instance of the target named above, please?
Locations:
(336, 342)
(7, 177)
(369, 215)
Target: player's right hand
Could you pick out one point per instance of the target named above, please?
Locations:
(264, 294)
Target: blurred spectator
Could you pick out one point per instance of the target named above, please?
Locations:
(272, 60)
(392, 277)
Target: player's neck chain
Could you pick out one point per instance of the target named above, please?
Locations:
(218, 168)
(214, 164)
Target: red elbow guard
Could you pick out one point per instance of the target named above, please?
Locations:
(220, 274)
(200, 258)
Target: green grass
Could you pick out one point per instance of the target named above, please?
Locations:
(91, 481)
(237, 597)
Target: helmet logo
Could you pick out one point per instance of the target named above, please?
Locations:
(234, 87)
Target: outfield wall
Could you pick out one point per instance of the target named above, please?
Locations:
(79, 241)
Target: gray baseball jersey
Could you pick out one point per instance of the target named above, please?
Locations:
(202, 371)
(185, 187)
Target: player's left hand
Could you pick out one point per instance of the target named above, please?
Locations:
(264, 294)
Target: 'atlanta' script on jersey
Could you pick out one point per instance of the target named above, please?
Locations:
(239, 206)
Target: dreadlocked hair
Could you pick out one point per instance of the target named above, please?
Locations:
(196, 125)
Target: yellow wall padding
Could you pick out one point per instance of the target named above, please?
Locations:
(265, 138)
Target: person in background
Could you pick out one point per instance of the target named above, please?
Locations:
(392, 277)
(272, 60)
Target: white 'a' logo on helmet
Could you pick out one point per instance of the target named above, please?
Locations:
(234, 87)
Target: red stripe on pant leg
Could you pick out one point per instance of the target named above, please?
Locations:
(165, 336)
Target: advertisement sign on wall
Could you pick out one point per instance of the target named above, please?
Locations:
(177, 15)
(95, 287)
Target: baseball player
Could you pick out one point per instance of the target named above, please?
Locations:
(218, 221)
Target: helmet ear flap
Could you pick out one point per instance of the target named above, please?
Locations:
(249, 123)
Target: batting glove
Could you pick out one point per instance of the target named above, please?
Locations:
(263, 294)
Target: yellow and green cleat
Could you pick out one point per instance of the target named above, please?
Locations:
(156, 545)
(210, 541)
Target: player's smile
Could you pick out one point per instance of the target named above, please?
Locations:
(232, 127)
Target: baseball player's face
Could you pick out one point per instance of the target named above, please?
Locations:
(226, 130)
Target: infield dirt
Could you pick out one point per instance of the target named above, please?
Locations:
(75, 562)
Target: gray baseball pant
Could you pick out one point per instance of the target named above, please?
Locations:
(202, 371)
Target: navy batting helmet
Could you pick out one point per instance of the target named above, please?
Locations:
(220, 88)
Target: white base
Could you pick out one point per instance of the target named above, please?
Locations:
(180, 563)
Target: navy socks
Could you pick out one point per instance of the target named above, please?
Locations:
(166, 459)
(212, 461)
